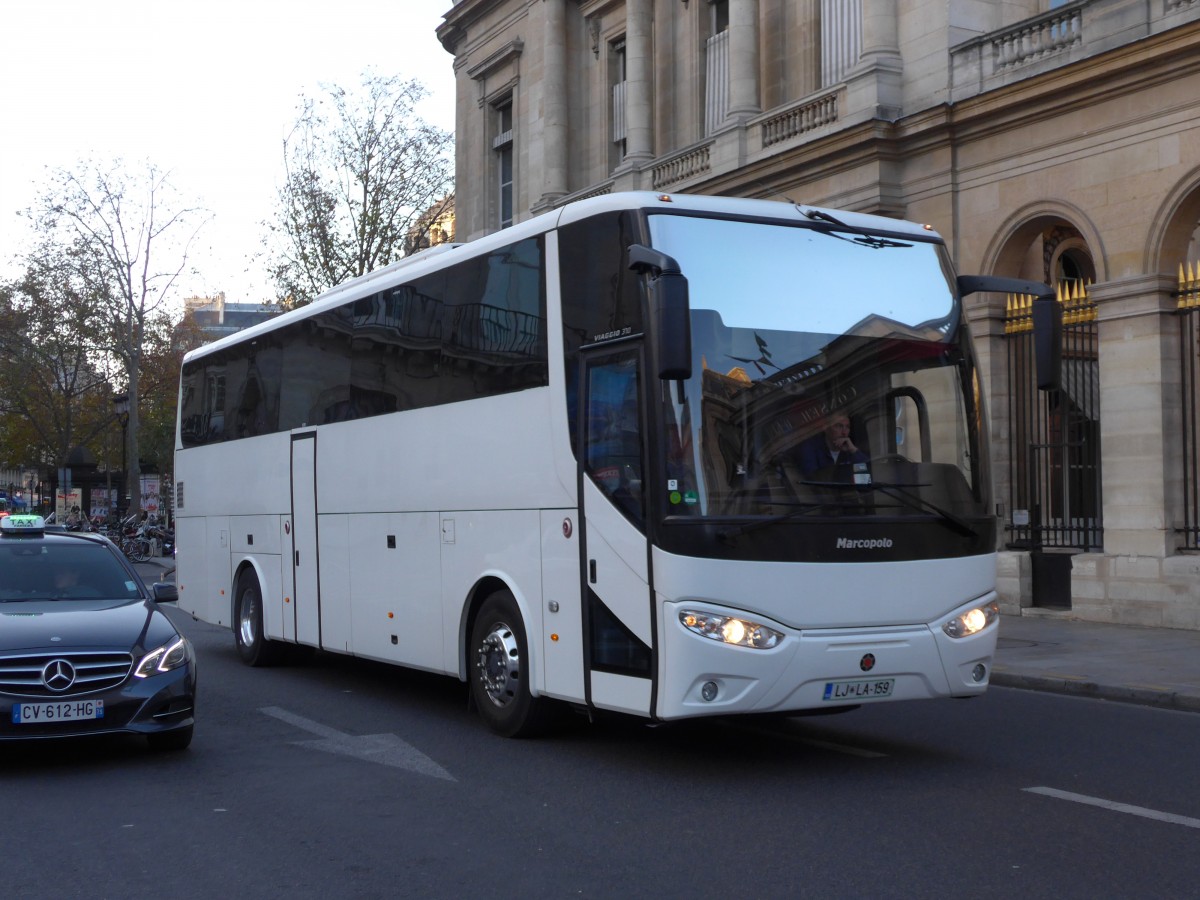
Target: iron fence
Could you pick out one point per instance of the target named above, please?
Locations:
(1054, 435)
(1188, 310)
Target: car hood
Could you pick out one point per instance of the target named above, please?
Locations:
(82, 624)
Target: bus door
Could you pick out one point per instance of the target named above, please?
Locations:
(618, 616)
(306, 598)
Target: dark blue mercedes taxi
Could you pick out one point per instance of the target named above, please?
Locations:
(84, 647)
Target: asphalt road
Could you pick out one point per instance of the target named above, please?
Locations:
(342, 778)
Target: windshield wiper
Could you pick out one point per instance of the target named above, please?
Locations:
(874, 241)
(947, 518)
(895, 491)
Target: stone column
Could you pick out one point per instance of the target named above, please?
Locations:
(1140, 449)
(875, 85)
(555, 116)
(639, 77)
(880, 32)
(744, 100)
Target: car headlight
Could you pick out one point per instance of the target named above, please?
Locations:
(972, 621)
(729, 630)
(164, 659)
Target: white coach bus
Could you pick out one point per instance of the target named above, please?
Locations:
(587, 459)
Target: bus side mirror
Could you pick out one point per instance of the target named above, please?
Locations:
(1047, 343)
(1047, 320)
(670, 315)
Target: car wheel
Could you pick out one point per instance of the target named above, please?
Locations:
(252, 644)
(499, 670)
(179, 739)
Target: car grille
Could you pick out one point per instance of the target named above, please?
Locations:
(22, 675)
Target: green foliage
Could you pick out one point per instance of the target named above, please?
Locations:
(90, 317)
(54, 375)
(362, 173)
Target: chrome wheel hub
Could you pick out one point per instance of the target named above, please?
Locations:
(498, 662)
(246, 627)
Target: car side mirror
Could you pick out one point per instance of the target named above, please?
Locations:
(165, 592)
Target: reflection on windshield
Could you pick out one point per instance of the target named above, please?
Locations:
(863, 405)
(34, 571)
(792, 278)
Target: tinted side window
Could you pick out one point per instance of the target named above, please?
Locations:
(473, 330)
(202, 401)
(191, 399)
(252, 389)
(613, 438)
(601, 297)
(494, 326)
(316, 370)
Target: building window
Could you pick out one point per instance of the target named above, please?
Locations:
(716, 84)
(502, 146)
(841, 39)
(617, 81)
(720, 15)
(1072, 266)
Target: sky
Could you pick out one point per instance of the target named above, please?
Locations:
(206, 92)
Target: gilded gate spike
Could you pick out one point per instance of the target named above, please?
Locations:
(1064, 298)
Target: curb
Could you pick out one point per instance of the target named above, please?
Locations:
(1140, 696)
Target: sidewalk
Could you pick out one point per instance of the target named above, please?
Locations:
(1151, 666)
(159, 568)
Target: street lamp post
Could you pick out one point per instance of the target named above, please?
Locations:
(121, 407)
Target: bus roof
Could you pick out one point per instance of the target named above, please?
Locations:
(410, 267)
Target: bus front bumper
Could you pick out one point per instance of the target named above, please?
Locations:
(816, 669)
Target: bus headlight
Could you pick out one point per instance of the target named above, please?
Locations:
(973, 621)
(728, 630)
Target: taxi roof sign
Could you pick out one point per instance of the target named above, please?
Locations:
(18, 524)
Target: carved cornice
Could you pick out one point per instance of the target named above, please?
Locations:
(510, 51)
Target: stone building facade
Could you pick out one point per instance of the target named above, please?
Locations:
(1052, 140)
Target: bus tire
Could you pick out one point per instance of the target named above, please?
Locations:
(499, 673)
(252, 644)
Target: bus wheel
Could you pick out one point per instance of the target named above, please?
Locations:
(252, 644)
(499, 672)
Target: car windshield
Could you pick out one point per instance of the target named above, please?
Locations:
(33, 569)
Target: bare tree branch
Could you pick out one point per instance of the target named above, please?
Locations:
(130, 238)
(360, 171)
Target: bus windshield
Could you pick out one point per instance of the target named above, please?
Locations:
(831, 376)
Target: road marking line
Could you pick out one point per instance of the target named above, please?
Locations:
(385, 749)
(1116, 807)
